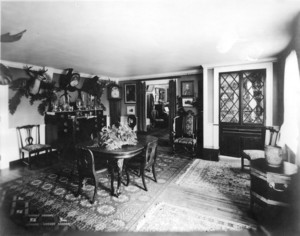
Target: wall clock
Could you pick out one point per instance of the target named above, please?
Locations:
(114, 92)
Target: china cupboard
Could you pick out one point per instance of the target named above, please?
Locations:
(241, 111)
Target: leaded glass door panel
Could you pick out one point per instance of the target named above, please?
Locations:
(229, 97)
(253, 97)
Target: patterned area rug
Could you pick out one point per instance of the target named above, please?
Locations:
(46, 196)
(166, 217)
(221, 178)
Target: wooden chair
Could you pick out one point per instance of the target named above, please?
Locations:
(86, 169)
(271, 135)
(29, 142)
(185, 132)
(142, 163)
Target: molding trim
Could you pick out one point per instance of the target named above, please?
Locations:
(210, 154)
(162, 75)
(239, 63)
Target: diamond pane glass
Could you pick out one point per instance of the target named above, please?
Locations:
(229, 97)
(253, 97)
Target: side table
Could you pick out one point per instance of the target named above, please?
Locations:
(270, 185)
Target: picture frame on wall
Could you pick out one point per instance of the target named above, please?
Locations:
(187, 88)
(130, 93)
(187, 102)
(130, 110)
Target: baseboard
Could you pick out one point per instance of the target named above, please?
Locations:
(210, 154)
(16, 163)
(19, 162)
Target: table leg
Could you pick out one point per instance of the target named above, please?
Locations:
(112, 177)
(120, 163)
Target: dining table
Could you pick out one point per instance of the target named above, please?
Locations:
(115, 158)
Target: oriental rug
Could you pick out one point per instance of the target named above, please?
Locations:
(46, 201)
(43, 195)
(223, 178)
(164, 217)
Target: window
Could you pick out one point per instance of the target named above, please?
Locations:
(290, 129)
(242, 97)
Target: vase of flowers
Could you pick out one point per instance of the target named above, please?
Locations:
(116, 137)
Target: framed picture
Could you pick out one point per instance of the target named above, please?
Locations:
(130, 110)
(187, 88)
(187, 102)
(130, 93)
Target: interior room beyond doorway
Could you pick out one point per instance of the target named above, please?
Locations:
(157, 107)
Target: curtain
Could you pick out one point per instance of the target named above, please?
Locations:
(172, 105)
(290, 130)
(141, 106)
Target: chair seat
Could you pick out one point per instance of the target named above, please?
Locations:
(254, 154)
(36, 147)
(185, 140)
(135, 161)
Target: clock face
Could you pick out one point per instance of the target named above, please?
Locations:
(115, 92)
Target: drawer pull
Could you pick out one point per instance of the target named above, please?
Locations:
(278, 187)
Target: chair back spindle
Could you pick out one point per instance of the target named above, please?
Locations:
(28, 135)
(85, 162)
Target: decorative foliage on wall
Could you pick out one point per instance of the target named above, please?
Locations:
(5, 76)
(95, 87)
(38, 87)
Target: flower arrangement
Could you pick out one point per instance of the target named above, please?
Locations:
(114, 138)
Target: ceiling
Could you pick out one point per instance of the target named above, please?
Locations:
(123, 39)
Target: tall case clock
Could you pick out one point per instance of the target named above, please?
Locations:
(114, 92)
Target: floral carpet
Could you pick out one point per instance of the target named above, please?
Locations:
(219, 178)
(43, 195)
(167, 217)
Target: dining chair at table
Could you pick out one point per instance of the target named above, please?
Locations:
(29, 143)
(143, 162)
(86, 169)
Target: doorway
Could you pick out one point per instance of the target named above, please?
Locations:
(157, 110)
